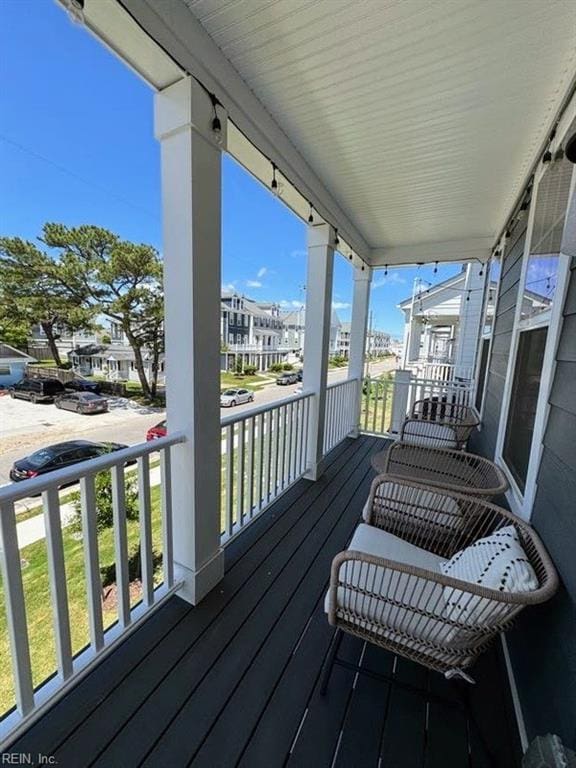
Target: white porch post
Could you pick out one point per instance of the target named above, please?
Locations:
(191, 209)
(317, 336)
(358, 328)
(471, 304)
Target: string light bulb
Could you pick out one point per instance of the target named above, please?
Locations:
(336, 238)
(385, 270)
(216, 124)
(311, 215)
(468, 296)
(274, 182)
(435, 267)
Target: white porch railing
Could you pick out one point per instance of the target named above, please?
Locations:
(441, 371)
(385, 402)
(76, 647)
(263, 453)
(341, 400)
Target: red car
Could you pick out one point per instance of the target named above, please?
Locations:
(158, 430)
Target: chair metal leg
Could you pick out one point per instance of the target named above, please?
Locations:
(329, 661)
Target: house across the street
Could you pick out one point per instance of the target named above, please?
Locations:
(13, 364)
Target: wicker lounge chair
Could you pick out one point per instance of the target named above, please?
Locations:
(442, 468)
(389, 587)
(461, 418)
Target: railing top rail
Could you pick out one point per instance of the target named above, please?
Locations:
(444, 383)
(235, 418)
(335, 384)
(16, 491)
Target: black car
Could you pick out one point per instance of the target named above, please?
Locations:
(37, 390)
(290, 377)
(300, 374)
(58, 456)
(82, 385)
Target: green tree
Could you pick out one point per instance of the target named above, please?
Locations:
(104, 506)
(31, 293)
(122, 279)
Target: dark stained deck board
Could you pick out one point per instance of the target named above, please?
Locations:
(235, 681)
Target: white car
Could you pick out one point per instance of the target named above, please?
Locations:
(231, 397)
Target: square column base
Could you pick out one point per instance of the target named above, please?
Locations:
(197, 584)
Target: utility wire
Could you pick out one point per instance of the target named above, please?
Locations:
(77, 176)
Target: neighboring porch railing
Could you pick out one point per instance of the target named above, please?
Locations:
(263, 453)
(138, 551)
(341, 401)
(386, 401)
(441, 371)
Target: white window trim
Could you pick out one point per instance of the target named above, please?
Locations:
(490, 334)
(522, 503)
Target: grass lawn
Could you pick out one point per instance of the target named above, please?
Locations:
(253, 383)
(38, 601)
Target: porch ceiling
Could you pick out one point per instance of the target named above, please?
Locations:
(419, 120)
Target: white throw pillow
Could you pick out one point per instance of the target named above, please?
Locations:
(496, 562)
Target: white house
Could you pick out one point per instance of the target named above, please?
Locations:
(441, 321)
(377, 342)
(13, 365)
(294, 331)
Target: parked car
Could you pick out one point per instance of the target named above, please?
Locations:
(300, 374)
(158, 430)
(37, 390)
(290, 377)
(232, 397)
(82, 402)
(83, 385)
(58, 456)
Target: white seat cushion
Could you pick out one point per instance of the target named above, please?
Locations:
(387, 608)
(429, 434)
(373, 541)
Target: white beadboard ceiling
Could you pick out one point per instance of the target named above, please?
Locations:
(422, 117)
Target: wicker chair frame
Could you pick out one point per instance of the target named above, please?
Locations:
(442, 468)
(461, 417)
(428, 633)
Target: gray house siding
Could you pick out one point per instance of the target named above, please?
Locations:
(543, 647)
(484, 441)
(543, 643)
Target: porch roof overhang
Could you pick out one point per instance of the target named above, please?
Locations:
(412, 127)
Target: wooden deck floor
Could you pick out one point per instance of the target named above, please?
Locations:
(234, 682)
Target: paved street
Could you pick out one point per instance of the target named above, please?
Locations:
(25, 427)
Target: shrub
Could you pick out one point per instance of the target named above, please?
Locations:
(276, 368)
(106, 339)
(103, 493)
(250, 370)
(287, 367)
(238, 365)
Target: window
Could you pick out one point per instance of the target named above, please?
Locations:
(5, 370)
(523, 403)
(537, 324)
(546, 239)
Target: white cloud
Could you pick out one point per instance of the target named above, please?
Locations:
(262, 271)
(253, 284)
(287, 304)
(389, 279)
(299, 253)
(228, 287)
(341, 305)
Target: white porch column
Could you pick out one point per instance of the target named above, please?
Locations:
(191, 209)
(358, 328)
(317, 336)
(470, 319)
(415, 339)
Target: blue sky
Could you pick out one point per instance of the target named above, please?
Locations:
(77, 146)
